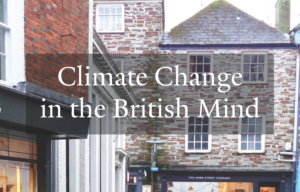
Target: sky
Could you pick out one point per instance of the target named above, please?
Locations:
(178, 11)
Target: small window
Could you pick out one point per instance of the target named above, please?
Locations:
(200, 64)
(198, 134)
(251, 134)
(119, 63)
(4, 30)
(110, 18)
(254, 68)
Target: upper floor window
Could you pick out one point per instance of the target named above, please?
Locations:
(119, 63)
(251, 134)
(200, 64)
(110, 18)
(254, 68)
(4, 29)
(198, 135)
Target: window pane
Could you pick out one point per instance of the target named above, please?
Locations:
(198, 146)
(192, 59)
(204, 146)
(251, 128)
(2, 40)
(258, 128)
(244, 128)
(198, 120)
(3, 141)
(250, 138)
(207, 59)
(261, 58)
(246, 58)
(198, 129)
(119, 10)
(252, 120)
(205, 120)
(2, 67)
(260, 77)
(254, 77)
(191, 137)
(200, 59)
(198, 137)
(101, 10)
(253, 68)
(260, 68)
(112, 10)
(246, 77)
(107, 10)
(204, 137)
(257, 137)
(245, 120)
(191, 120)
(254, 59)
(191, 146)
(191, 129)
(259, 120)
(205, 129)
(257, 146)
(244, 137)
(3, 11)
(199, 68)
(246, 68)
(244, 146)
(250, 146)
(206, 68)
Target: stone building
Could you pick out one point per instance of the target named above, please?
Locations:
(211, 154)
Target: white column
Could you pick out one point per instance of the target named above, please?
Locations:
(74, 165)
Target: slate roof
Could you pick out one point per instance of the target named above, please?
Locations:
(217, 24)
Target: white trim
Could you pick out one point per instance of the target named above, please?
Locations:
(123, 18)
(262, 137)
(209, 136)
(265, 69)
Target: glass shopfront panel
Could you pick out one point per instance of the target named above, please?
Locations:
(210, 186)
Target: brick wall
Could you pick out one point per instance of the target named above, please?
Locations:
(47, 51)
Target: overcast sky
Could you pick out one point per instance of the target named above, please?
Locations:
(180, 10)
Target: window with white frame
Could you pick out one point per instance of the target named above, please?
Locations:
(4, 29)
(110, 17)
(251, 134)
(119, 63)
(254, 68)
(198, 134)
(200, 64)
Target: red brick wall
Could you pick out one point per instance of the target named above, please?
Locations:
(45, 22)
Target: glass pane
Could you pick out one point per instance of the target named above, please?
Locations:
(246, 68)
(260, 77)
(250, 138)
(198, 129)
(205, 120)
(257, 146)
(245, 120)
(261, 58)
(191, 137)
(200, 59)
(118, 63)
(198, 146)
(246, 77)
(199, 68)
(250, 146)
(260, 68)
(252, 120)
(244, 137)
(254, 59)
(198, 120)
(259, 120)
(119, 10)
(192, 59)
(205, 129)
(253, 68)
(2, 67)
(191, 146)
(3, 11)
(107, 10)
(191, 129)
(251, 128)
(198, 137)
(207, 59)
(244, 128)
(2, 40)
(257, 137)
(246, 58)
(205, 137)
(258, 128)
(3, 141)
(253, 77)
(244, 146)
(101, 10)
(204, 146)
(206, 68)
(112, 10)
(191, 120)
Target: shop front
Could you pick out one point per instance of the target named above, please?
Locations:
(214, 181)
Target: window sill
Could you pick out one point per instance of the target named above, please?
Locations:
(254, 82)
(2, 82)
(114, 32)
(242, 152)
(208, 151)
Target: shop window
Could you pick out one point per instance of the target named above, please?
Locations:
(200, 64)
(110, 18)
(198, 134)
(254, 68)
(251, 134)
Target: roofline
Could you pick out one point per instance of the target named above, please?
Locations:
(229, 46)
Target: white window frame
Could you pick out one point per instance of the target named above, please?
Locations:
(122, 63)
(109, 5)
(262, 136)
(265, 71)
(197, 54)
(209, 136)
(6, 53)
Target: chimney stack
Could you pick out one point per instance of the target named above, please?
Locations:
(282, 17)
